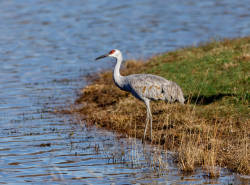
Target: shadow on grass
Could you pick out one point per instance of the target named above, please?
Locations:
(205, 100)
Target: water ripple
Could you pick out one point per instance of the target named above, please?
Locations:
(47, 47)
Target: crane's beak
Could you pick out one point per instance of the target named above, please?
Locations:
(102, 56)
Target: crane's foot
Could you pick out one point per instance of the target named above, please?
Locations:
(143, 140)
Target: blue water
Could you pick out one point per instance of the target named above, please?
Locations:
(46, 49)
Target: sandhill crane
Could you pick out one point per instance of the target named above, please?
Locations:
(145, 87)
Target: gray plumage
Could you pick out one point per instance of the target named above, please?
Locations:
(153, 87)
(145, 87)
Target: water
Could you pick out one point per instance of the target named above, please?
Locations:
(46, 49)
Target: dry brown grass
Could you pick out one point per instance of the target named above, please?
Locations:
(201, 135)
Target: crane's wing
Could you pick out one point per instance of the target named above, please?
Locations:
(153, 87)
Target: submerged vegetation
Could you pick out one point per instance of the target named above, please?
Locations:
(210, 130)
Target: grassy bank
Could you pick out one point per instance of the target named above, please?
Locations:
(211, 130)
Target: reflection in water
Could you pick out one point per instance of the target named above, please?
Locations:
(46, 49)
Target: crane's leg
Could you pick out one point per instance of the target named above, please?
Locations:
(146, 125)
(149, 118)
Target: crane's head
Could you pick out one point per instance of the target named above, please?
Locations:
(115, 53)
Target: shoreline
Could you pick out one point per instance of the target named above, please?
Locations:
(210, 130)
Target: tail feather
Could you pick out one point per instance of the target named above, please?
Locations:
(180, 96)
(181, 99)
(173, 93)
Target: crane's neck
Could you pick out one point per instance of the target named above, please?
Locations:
(118, 78)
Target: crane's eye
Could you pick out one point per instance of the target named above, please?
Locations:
(112, 51)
